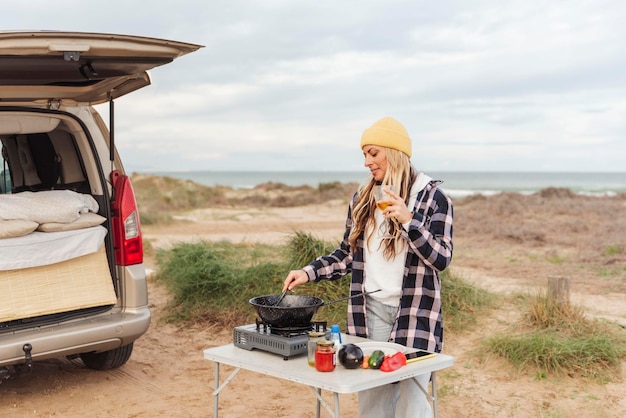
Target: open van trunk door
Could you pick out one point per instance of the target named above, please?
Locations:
(85, 67)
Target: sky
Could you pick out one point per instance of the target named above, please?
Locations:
(284, 85)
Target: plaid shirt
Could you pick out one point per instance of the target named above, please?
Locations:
(429, 236)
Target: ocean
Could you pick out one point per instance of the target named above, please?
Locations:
(455, 184)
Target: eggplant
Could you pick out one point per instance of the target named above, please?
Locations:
(350, 356)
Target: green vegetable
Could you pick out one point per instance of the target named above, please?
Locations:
(376, 359)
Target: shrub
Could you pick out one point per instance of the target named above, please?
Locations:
(595, 356)
(557, 339)
(215, 281)
(302, 248)
(461, 302)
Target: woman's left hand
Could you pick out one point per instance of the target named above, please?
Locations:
(397, 208)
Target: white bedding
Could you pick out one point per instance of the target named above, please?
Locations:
(42, 248)
(46, 206)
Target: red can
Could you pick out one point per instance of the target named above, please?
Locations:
(325, 356)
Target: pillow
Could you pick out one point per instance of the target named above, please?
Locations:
(16, 228)
(85, 220)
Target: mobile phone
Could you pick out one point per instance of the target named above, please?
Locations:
(418, 355)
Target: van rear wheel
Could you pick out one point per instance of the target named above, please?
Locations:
(106, 360)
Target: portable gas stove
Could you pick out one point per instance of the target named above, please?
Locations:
(284, 341)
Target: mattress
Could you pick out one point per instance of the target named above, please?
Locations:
(43, 248)
(81, 282)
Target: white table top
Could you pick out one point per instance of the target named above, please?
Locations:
(341, 380)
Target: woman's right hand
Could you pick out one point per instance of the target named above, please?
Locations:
(295, 278)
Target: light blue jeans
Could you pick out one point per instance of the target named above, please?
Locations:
(399, 400)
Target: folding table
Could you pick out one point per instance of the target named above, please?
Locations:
(341, 380)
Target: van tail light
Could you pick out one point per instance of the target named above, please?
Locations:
(125, 222)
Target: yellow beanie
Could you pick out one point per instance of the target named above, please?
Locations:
(387, 132)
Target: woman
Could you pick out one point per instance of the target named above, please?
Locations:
(401, 251)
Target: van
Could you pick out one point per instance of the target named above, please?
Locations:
(72, 278)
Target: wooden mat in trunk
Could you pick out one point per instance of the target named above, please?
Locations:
(82, 282)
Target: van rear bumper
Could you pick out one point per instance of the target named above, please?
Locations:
(100, 332)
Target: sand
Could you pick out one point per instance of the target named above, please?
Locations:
(506, 244)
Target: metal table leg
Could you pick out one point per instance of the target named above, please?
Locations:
(433, 398)
(216, 394)
(317, 404)
(320, 401)
(433, 384)
(219, 388)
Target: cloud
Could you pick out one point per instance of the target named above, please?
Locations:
(480, 85)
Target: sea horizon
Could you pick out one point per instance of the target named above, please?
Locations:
(455, 183)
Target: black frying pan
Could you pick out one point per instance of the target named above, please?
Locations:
(293, 311)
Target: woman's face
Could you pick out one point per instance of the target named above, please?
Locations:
(376, 161)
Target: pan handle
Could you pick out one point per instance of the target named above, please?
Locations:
(351, 297)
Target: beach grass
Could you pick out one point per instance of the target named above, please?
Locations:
(209, 279)
(213, 281)
(463, 303)
(556, 338)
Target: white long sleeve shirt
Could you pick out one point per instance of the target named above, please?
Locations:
(383, 274)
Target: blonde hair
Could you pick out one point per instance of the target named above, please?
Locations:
(400, 173)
